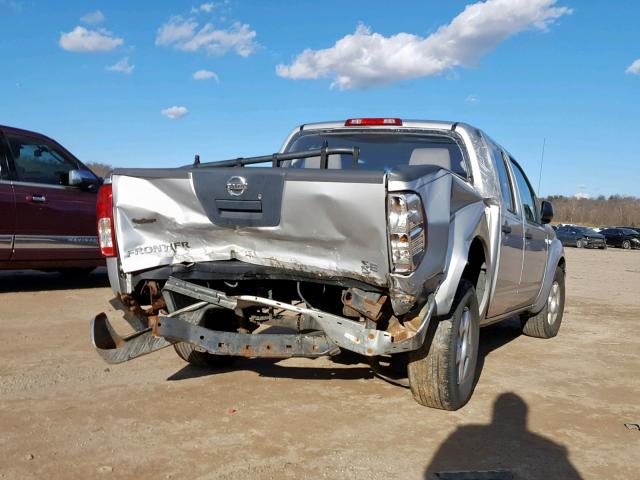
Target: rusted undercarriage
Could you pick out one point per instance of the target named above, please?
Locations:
(238, 319)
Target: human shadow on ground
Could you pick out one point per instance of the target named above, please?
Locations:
(34, 280)
(504, 447)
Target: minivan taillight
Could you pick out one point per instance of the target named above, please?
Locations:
(407, 231)
(104, 214)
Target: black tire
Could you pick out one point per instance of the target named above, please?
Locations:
(433, 369)
(581, 243)
(545, 324)
(626, 245)
(188, 353)
(604, 247)
(215, 319)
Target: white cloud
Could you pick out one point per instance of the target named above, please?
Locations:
(122, 66)
(81, 39)
(175, 113)
(364, 58)
(472, 99)
(93, 17)
(205, 7)
(187, 35)
(634, 67)
(205, 75)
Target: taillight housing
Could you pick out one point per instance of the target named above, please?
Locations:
(104, 215)
(407, 231)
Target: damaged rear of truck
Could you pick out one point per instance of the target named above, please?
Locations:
(377, 236)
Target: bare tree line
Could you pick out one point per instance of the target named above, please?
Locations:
(603, 211)
(100, 169)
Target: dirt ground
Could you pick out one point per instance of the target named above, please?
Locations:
(544, 409)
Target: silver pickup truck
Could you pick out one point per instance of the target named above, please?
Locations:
(394, 239)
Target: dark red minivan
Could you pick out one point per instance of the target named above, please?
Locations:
(47, 206)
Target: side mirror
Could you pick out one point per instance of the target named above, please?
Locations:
(83, 178)
(546, 212)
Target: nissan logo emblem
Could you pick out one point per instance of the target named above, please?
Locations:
(236, 186)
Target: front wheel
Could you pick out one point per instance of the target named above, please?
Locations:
(581, 243)
(626, 244)
(442, 371)
(546, 323)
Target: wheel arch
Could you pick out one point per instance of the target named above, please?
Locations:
(555, 259)
(476, 271)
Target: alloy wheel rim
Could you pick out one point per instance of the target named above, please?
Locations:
(464, 347)
(553, 303)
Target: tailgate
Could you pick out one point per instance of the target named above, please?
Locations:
(326, 222)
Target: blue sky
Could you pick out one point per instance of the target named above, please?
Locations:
(557, 70)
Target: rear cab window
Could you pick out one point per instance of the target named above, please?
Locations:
(380, 150)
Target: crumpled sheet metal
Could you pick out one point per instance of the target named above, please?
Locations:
(485, 179)
(327, 228)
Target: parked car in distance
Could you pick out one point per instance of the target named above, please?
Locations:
(580, 237)
(622, 237)
(635, 229)
(47, 206)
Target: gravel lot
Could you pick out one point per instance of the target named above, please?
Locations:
(545, 409)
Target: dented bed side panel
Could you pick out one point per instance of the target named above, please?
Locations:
(327, 228)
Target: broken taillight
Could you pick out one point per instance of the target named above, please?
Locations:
(407, 231)
(364, 122)
(104, 215)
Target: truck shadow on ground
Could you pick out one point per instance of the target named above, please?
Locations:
(269, 367)
(34, 281)
(501, 450)
(351, 366)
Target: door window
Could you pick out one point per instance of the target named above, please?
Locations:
(39, 161)
(527, 198)
(503, 177)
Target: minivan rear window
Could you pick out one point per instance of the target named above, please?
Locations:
(380, 151)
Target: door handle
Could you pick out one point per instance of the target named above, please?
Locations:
(528, 235)
(36, 198)
(506, 228)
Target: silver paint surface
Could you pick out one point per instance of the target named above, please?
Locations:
(330, 228)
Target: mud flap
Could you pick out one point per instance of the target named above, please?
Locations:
(114, 348)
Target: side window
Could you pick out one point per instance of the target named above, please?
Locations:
(527, 197)
(39, 161)
(503, 177)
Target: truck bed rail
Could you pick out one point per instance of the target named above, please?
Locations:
(277, 158)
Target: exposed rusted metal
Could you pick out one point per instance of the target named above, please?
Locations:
(114, 348)
(366, 303)
(278, 345)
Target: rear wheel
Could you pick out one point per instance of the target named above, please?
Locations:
(442, 371)
(626, 244)
(215, 319)
(547, 322)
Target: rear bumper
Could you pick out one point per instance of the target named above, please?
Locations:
(333, 332)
